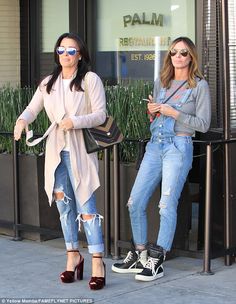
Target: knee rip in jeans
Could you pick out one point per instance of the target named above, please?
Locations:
(89, 218)
(130, 202)
(162, 205)
(59, 195)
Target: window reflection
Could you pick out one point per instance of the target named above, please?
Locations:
(134, 35)
(55, 21)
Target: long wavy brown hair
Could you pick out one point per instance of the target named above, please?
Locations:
(168, 72)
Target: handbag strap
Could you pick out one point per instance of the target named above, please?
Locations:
(183, 83)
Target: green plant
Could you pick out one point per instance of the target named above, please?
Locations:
(12, 102)
(124, 103)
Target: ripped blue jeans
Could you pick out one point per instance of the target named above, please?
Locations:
(71, 212)
(168, 159)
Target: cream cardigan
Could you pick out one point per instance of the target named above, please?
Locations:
(84, 166)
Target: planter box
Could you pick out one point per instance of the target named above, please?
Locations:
(34, 207)
(6, 191)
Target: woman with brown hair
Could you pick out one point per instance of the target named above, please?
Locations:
(180, 106)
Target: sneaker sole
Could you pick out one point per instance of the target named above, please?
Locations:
(139, 277)
(120, 270)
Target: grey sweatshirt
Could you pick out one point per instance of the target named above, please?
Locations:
(195, 114)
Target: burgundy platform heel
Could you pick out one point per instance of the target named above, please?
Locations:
(97, 283)
(69, 276)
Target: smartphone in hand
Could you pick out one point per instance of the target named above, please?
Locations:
(147, 100)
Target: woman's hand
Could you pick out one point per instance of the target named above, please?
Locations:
(167, 110)
(152, 106)
(20, 125)
(66, 124)
(163, 109)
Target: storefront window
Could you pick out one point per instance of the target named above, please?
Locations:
(55, 21)
(134, 35)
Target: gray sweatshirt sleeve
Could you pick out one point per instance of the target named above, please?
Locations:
(201, 119)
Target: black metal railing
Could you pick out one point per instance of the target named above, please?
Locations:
(208, 193)
(208, 209)
(17, 226)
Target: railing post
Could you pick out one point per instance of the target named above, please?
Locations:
(116, 180)
(107, 206)
(227, 123)
(16, 191)
(207, 241)
(227, 190)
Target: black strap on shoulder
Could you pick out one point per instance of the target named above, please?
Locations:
(183, 83)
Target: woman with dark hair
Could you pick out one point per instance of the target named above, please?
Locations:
(181, 105)
(71, 175)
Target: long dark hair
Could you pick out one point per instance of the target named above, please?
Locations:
(82, 68)
(167, 72)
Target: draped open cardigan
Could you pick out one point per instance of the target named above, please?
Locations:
(84, 166)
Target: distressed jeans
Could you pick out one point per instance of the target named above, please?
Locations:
(167, 160)
(71, 211)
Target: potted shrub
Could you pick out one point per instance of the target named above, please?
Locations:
(33, 201)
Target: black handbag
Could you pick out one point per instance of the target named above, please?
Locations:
(102, 136)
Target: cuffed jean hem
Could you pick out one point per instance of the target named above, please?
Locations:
(138, 245)
(96, 248)
(72, 246)
(165, 248)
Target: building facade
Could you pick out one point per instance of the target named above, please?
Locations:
(127, 40)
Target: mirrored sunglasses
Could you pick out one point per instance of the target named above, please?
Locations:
(182, 52)
(70, 50)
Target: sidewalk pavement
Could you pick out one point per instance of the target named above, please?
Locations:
(29, 273)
